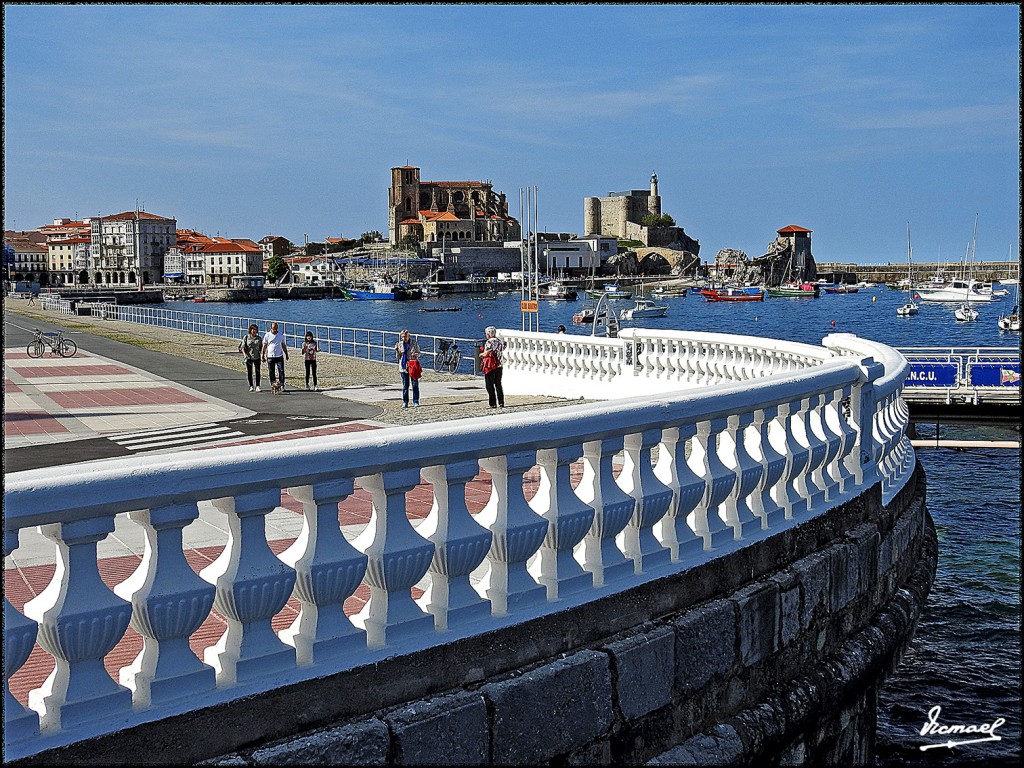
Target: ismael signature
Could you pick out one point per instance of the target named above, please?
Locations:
(985, 731)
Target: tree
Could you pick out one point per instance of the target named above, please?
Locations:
(314, 249)
(373, 236)
(652, 220)
(410, 242)
(276, 268)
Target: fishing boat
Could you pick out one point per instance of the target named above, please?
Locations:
(644, 308)
(910, 308)
(839, 288)
(587, 315)
(612, 291)
(440, 309)
(669, 293)
(430, 291)
(381, 289)
(733, 294)
(965, 312)
(795, 290)
(557, 291)
(958, 291)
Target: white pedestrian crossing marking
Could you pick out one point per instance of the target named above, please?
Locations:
(155, 439)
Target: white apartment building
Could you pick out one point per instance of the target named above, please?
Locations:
(224, 258)
(128, 248)
(31, 262)
(576, 256)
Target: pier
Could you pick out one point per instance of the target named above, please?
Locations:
(963, 383)
(747, 533)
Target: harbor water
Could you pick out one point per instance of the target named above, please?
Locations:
(965, 657)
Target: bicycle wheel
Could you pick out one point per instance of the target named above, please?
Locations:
(67, 348)
(453, 366)
(36, 348)
(440, 360)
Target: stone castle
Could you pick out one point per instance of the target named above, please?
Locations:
(621, 215)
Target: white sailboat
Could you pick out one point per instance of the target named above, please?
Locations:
(962, 290)
(965, 312)
(1011, 322)
(910, 308)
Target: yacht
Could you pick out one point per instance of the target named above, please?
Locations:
(958, 292)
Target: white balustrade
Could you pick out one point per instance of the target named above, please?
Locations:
(20, 722)
(612, 507)
(569, 519)
(460, 545)
(675, 529)
(80, 621)
(252, 586)
(169, 602)
(397, 558)
(327, 571)
(518, 532)
(786, 432)
(651, 501)
(732, 442)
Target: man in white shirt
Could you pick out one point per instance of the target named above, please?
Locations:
(275, 352)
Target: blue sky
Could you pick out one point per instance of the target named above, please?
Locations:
(252, 120)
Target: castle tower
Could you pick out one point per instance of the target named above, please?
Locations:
(591, 216)
(654, 201)
(800, 247)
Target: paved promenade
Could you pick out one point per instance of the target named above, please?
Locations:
(136, 390)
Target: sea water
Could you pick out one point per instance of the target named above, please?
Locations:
(965, 657)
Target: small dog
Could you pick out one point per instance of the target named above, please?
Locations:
(275, 388)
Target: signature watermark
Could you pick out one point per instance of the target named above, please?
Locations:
(980, 733)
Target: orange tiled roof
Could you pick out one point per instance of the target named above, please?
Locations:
(409, 221)
(228, 247)
(792, 228)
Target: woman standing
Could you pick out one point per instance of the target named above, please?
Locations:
(251, 347)
(408, 349)
(309, 350)
(490, 364)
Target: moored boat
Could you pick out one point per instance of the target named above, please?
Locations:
(612, 291)
(381, 289)
(644, 308)
(791, 290)
(732, 294)
(556, 291)
(965, 312)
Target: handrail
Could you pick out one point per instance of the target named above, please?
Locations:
(736, 463)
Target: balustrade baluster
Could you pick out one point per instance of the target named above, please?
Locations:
(169, 602)
(652, 499)
(518, 533)
(327, 571)
(815, 435)
(397, 558)
(460, 545)
(568, 518)
(253, 585)
(834, 438)
(20, 723)
(718, 484)
(80, 621)
(612, 510)
(800, 450)
(734, 454)
(774, 465)
(674, 530)
(850, 472)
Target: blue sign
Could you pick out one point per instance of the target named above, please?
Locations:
(995, 374)
(932, 374)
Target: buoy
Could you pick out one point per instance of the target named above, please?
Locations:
(833, 322)
(479, 315)
(874, 298)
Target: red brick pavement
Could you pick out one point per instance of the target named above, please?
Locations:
(31, 423)
(40, 371)
(99, 398)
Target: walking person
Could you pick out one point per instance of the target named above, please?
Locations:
(275, 352)
(31, 299)
(490, 364)
(309, 350)
(251, 347)
(408, 350)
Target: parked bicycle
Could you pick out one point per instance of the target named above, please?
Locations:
(448, 356)
(55, 341)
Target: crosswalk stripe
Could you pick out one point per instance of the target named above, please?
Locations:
(143, 440)
(165, 431)
(202, 433)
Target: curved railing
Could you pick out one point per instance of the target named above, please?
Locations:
(734, 463)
